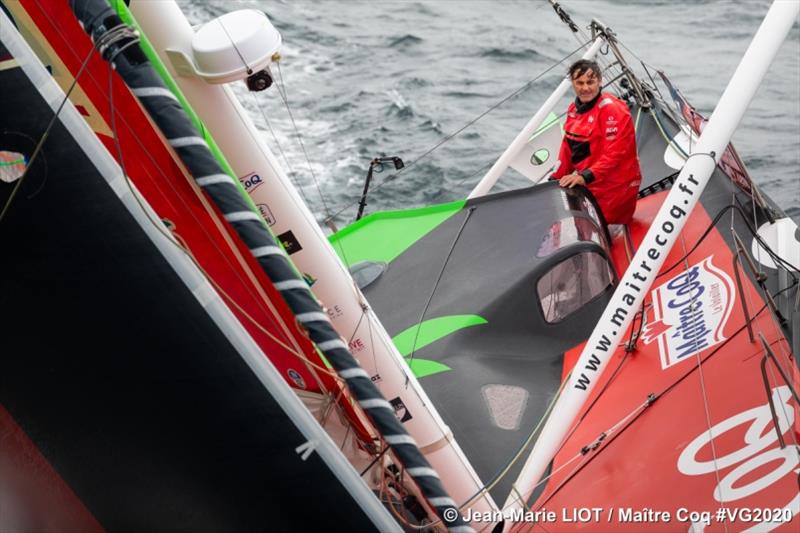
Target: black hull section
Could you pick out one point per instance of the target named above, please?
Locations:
(119, 376)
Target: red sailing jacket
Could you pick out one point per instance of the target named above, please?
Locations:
(600, 144)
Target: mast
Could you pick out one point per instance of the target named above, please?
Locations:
(519, 142)
(655, 247)
(118, 44)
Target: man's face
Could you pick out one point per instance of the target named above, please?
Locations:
(586, 86)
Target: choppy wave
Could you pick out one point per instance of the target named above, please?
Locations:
(395, 77)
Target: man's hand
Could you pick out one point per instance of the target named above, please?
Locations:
(571, 180)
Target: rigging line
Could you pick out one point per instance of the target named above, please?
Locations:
(760, 287)
(285, 100)
(37, 150)
(757, 285)
(612, 431)
(346, 435)
(599, 395)
(653, 81)
(612, 434)
(500, 475)
(545, 479)
(778, 259)
(484, 167)
(481, 169)
(238, 53)
(679, 380)
(783, 404)
(604, 65)
(671, 141)
(181, 245)
(372, 343)
(450, 136)
(642, 61)
(702, 381)
(282, 93)
(290, 170)
(375, 460)
(436, 284)
(512, 95)
(260, 298)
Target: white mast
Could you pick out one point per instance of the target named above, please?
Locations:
(666, 227)
(533, 125)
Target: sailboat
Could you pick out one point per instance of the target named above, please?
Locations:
(514, 369)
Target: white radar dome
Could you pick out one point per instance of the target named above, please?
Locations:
(234, 46)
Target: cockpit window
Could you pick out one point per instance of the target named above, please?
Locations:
(572, 283)
(569, 231)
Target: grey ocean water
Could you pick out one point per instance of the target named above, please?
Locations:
(396, 77)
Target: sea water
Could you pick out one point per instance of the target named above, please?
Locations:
(396, 78)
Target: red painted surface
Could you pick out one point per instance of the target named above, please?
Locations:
(642, 463)
(33, 497)
(171, 192)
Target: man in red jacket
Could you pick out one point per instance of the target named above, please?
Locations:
(599, 146)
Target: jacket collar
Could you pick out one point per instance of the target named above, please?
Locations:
(582, 108)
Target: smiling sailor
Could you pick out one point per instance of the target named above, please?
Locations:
(599, 146)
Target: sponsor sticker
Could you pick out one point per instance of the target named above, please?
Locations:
(266, 213)
(356, 345)
(335, 311)
(251, 182)
(690, 312)
(289, 242)
(296, 378)
(400, 409)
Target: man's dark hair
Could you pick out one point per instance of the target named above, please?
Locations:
(581, 66)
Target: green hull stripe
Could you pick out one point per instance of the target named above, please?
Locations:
(385, 235)
(429, 332)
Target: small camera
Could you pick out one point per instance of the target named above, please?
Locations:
(259, 81)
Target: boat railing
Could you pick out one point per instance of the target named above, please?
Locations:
(770, 355)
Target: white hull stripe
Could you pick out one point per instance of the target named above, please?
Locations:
(214, 179)
(262, 251)
(291, 284)
(241, 215)
(400, 439)
(311, 317)
(422, 471)
(443, 501)
(351, 373)
(181, 142)
(376, 403)
(144, 92)
(335, 343)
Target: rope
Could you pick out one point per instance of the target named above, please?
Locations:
(175, 238)
(37, 150)
(183, 136)
(460, 130)
(702, 380)
(285, 99)
(291, 172)
(664, 391)
(436, 283)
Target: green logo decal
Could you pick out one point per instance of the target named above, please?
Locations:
(429, 332)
